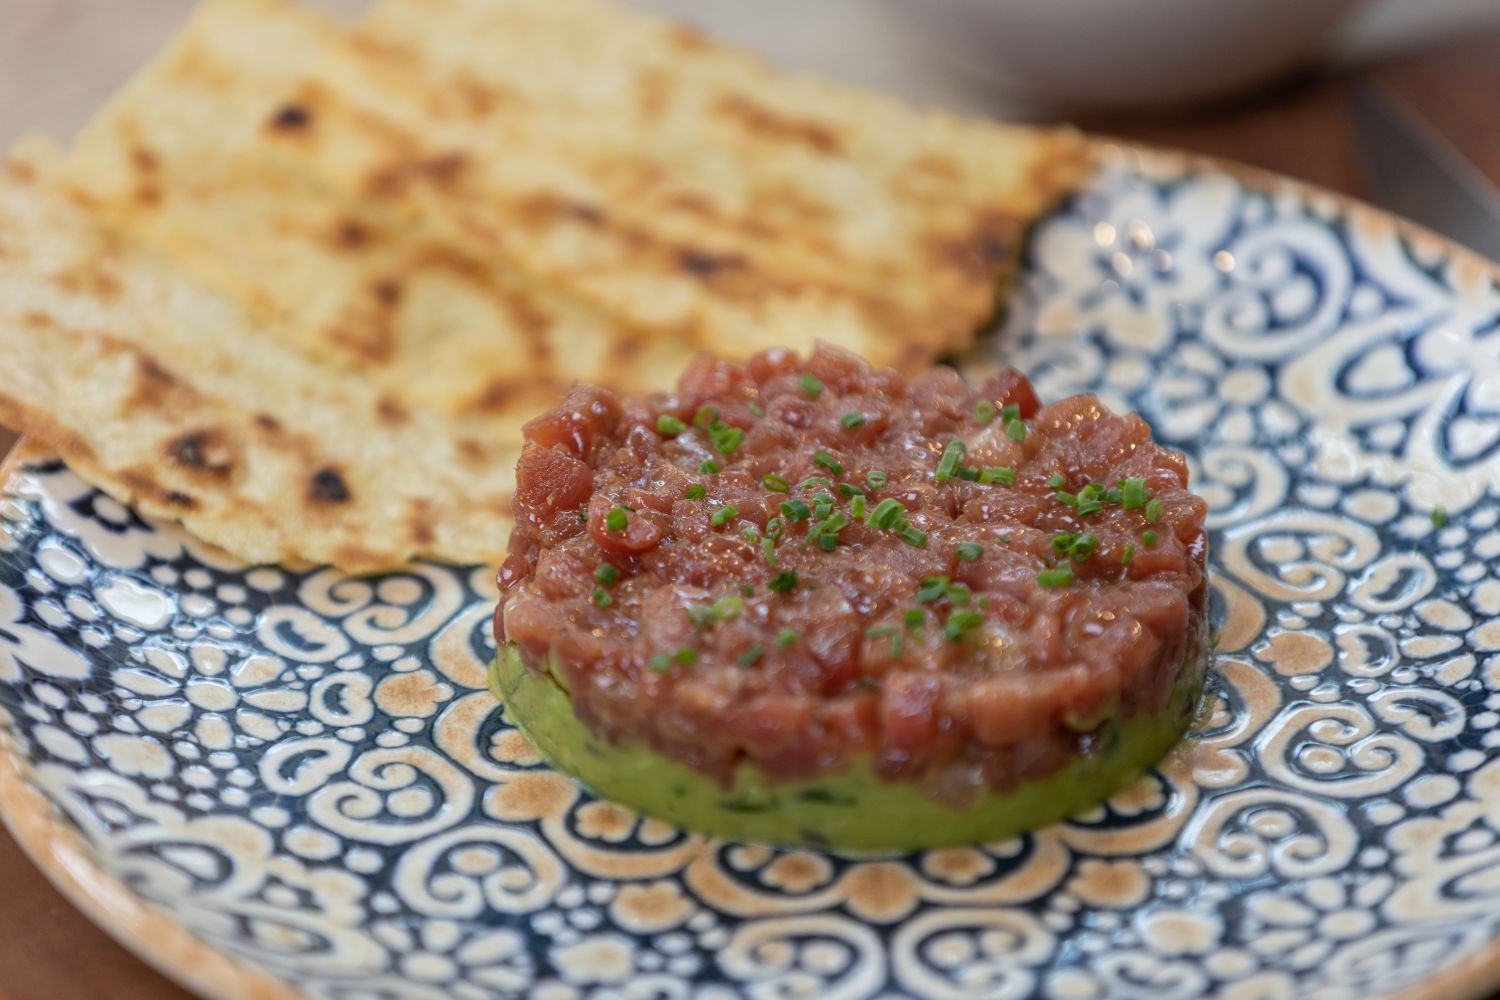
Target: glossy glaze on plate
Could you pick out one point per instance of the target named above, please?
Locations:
(307, 771)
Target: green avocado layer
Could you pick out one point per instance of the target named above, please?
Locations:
(851, 810)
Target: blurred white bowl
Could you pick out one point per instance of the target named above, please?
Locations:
(1127, 53)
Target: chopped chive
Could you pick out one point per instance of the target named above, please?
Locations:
(1083, 546)
(1062, 496)
(811, 384)
(660, 662)
(850, 490)
(885, 513)
(912, 536)
(786, 637)
(709, 467)
(752, 534)
(606, 574)
(686, 657)
(914, 617)
(1112, 495)
(960, 623)
(755, 410)
(1011, 412)
(953, 454)
(768, 547)
(724, 515)
(784, 582)
(728, 607)
(1062, 542)
(984, 411)
(969, 551)
(1057, 481)
(750, 657)
(747, 590)
(1004, 475)
(1128, 554)
(705, 416)
(1133, 494)
(1057, 576)
(728, 439)
(773, 527)
(958, 593)
(932, 588)
(669, 425)
(695, 492)
(1153, 511)
(890, 633)
(775, 483)
(1091, 491)
(857, 506)
(795, 510)
(828, 542)
(602, 598)
(1089, 507)
(968, 473)
(984, 601)
(1016, 431)
(1149, 537)
(1439, 517)
(829, 527)
(876, 479)
(851, 420)
(828, 462)
(702, 615)
(815, 482)
(618, 519)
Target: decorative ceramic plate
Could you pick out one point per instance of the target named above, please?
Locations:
(290, 784)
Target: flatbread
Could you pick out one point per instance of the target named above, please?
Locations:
(180, 159)
(177, 402)
(678, 183)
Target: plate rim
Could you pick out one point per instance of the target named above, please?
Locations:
(173, 949)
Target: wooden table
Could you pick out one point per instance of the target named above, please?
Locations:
(1302, 128)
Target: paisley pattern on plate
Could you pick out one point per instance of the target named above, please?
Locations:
(307, 771)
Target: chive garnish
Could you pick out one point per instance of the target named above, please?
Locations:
(1016, 431)
(1062, 542)
(828, 462)
(811, 384)
(606, 574)
(1089, 507)
(1083, 546)
(969, 551)
(705, 417)
(1133, 494)
(1149, 537)
(724, 514)
(815, 482)
(932, 588)
(914, 617)
(1439, 517)
(750, 657)
(958, 593)
(773, 527)
(984, 411)
(752, 534)
(702, 615)
(912, 536)
(728, 607)
(968, 473)
(885, 514)
(850, 490)
(851, 420)
(1153, 511)
(709, 467)
(795, 510)
(618, 519)
(961, 622)
(857, 506)
(786, 637)
(687, 657)
(1004, 475)
(755, 410)
(1062, 496)
(775, 483)
(1057, 481)
(727, 439)
(784, 582)
(953, 454)
(1011, 412)
(669, 425)
(1091, 491)
(1057, 576)
(876, 479)
(768, 547)
(695, 492)
(890, 633)
(1128, 554)
(660, 662)
(602, 598)
(1112, 495)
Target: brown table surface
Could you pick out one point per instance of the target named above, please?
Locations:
(1302, 128)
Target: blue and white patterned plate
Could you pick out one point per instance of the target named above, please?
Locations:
(289, 784)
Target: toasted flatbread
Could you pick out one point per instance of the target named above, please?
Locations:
(676, 182)
(180, 159)
(176, 401)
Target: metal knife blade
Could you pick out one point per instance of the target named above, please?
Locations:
(1418, 173)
